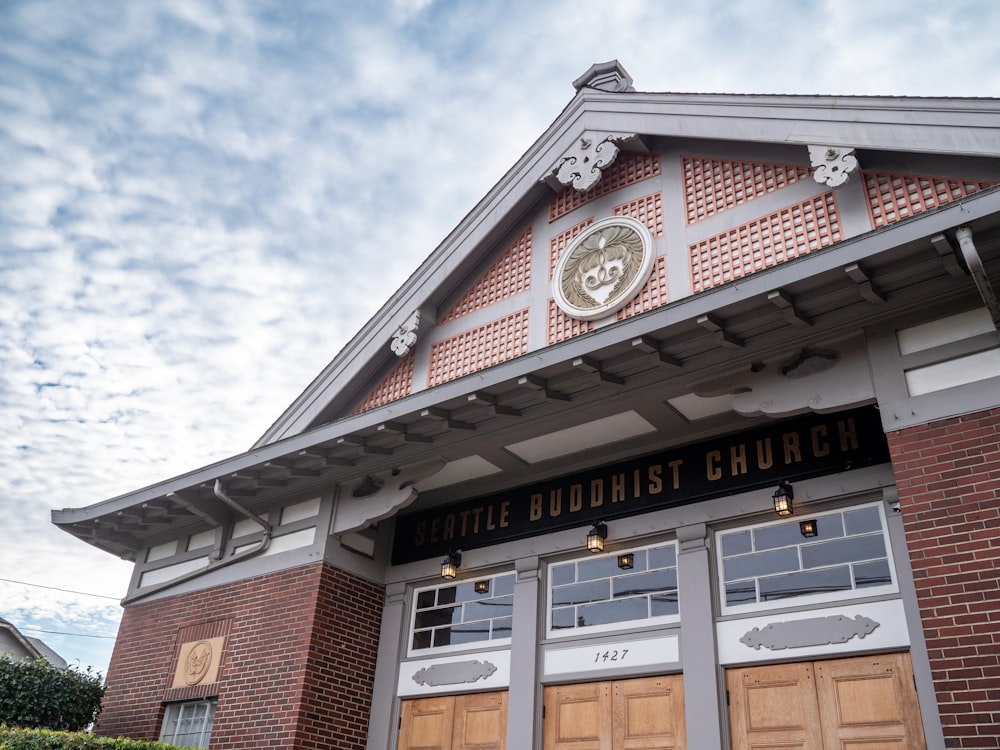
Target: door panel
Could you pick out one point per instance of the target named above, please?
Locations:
(860, 703)
(773, 706)
(454, 722)
(427, 724)
(480, 722)
(578, 717)
(869, 703)
(648, 714)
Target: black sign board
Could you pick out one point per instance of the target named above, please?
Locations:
(800, 448)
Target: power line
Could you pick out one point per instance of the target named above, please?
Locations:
(56, 588)
(74, 635)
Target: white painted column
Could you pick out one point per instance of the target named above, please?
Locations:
(381, 731)
(523, 715)
(699, 657)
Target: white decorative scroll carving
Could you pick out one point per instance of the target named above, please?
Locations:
(404, 338)
(396, 492)
(816, 631)
(582, 165)
(833, 165)
(455, 673)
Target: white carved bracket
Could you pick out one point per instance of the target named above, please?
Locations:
(397, 492)
(833, 164)
(405, 337)
(818, 379)
(581, 166)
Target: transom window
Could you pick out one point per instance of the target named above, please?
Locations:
(766, 565)
(455, 615)
(188, 724)
(594, 593)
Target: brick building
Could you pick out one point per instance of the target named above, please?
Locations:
(687, 436)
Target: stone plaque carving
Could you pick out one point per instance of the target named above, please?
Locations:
(815, 631)
(454, 673)
(603, 269)
(198, 663)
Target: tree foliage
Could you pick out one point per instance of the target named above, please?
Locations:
(35, 694)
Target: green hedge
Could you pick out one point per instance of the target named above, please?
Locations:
(44, 739)
(36, 695)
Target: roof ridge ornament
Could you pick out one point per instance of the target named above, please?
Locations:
(833, 165)
(608, 76)
(582, 165)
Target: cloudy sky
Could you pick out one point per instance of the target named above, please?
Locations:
(202, 200)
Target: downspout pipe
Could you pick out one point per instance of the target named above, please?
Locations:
(262, 545)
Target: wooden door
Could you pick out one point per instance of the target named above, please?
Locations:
(640, 714)
(454, 722)
(860, 703)
(869, 703)
(648, 714)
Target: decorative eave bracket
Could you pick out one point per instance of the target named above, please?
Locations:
(380, 496)
(583, 164)
(404, 337)
(832, 165)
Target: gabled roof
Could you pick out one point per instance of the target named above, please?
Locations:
(966, 127)
(316, 443)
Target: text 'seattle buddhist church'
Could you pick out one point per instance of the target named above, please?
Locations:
(688, 436)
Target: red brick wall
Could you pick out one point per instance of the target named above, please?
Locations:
(296, 672)
(948, 476)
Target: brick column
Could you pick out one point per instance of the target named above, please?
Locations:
(948, 478)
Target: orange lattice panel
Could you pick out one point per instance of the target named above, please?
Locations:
(398, 383)
(629, 168)
(561, 241)
(892, 197)
(652, 295)
(712, 186)
(562, 326)
(510, 275)
(765, 242)
(479, 348)
(648, 210)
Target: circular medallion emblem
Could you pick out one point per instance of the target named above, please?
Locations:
(198, 661)
(603, 269)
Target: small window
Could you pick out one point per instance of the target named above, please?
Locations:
(593, 593)
(188, 724)
(764, 566)
(458, 615)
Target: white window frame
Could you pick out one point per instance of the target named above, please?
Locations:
(475, 645)
(586, 630)
(174, 715)
(806, 600)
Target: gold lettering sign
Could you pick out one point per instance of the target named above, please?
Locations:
(198, 662)
(795, 449)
